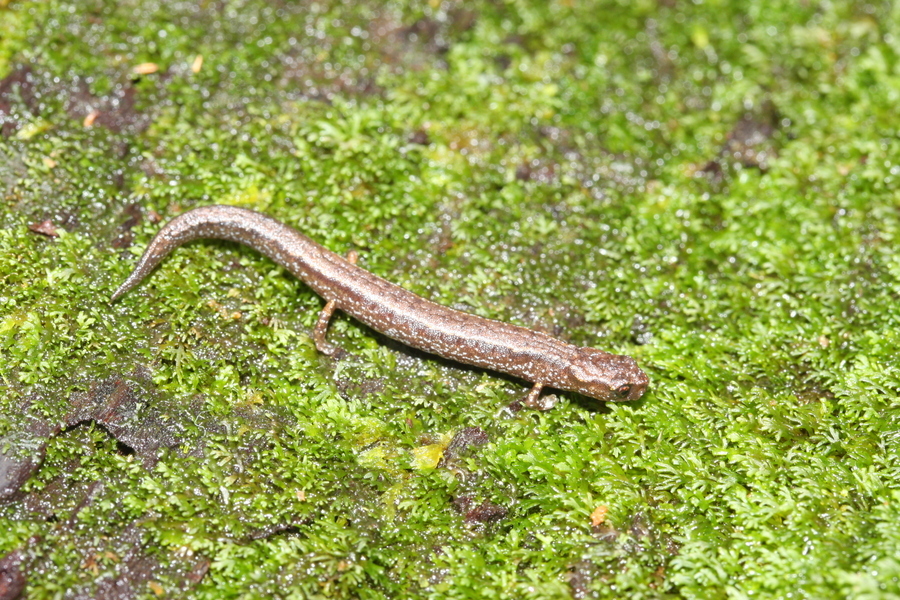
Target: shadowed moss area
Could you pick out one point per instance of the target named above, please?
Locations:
(710, 187)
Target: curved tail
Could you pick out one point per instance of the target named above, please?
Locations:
(218, 221)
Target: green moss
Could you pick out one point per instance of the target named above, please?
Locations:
(710, 188)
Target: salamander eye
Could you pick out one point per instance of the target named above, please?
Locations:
(624, 390)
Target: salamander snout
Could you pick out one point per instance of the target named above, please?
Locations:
(608, 377)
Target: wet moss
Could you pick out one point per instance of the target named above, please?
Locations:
(709, 188)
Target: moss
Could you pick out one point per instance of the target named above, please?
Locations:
(709, 188)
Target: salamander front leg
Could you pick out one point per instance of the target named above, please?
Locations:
(534, 400)
(321, 329)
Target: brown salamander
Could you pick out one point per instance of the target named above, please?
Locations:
(401, 314)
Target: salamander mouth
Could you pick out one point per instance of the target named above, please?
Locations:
(607, 377)
(635, 392)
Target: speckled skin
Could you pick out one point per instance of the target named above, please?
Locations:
(402, 315)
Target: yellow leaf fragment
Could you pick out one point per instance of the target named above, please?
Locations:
(146, 68)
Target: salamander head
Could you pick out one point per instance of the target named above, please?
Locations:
(605, 376)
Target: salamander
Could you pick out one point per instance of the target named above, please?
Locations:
(400, 314)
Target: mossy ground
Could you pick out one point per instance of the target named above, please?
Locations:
(710, 187)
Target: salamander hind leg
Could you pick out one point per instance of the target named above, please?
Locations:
(321, 330)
